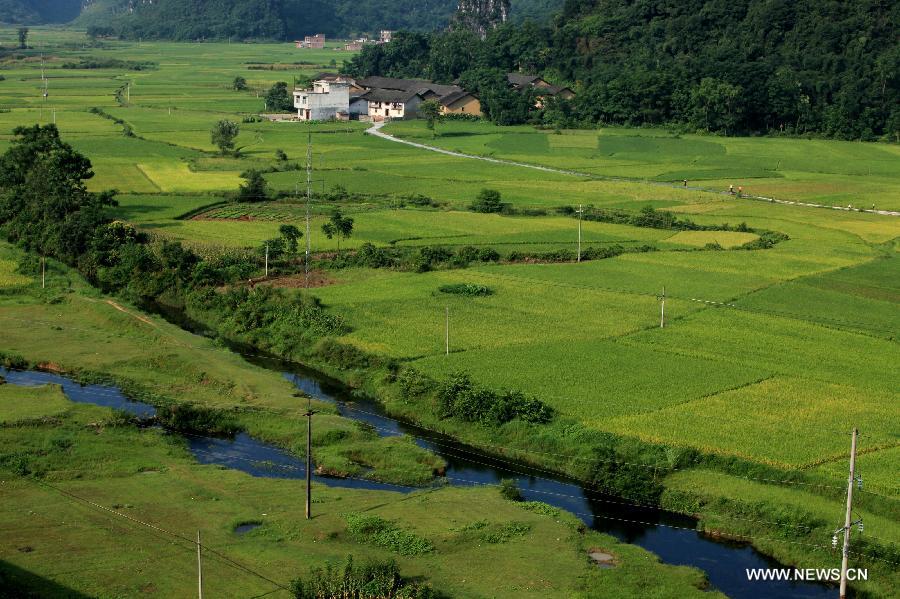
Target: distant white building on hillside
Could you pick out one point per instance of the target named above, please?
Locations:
(325, 101)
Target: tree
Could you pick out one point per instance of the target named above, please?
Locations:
(23, 37)
(430, 110)
(44, 204)
(223, 134)
(339, 226)
(291, 235)
(280, 155)
(97, 31)
(488, 201)
(713, 103)
(239, 84)
(278, 99)
(255, 189)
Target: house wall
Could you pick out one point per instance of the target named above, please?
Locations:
(467, 105)
(400, 110)
(359, 107)
(323, 102)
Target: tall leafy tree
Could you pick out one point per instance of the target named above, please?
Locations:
(223, 134)
(339, 226)
(44, 203)
(430, 110)
(278, 99)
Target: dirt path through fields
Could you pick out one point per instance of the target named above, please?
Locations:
(375, 130)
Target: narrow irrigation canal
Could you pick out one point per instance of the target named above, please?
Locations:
(672, 537)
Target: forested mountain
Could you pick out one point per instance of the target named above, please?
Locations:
(277, 19)
(733, 66)
(38, 11)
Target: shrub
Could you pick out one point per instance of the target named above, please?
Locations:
(413, 383)
(466, 289)
(199, 419)
(374, 580)
(539, 507)
(255, 189)
(13, 361)
(375, 530)
(509, 489)
(342, 355)
(458, 397)
(505, 533)
(487, 201)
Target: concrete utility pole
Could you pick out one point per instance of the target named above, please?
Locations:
(848, 517)
(267, 260)
(447, 328)
(580, 212)
(43, 273)
(662, 309)
(309, 415)
(308, 197)
(199, 569)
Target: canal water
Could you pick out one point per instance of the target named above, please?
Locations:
(672, 537)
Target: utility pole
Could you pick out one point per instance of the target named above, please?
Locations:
(309, 415)
(308, 197)
(267, 260)
(447, 328)
(848, 518)
(199, 569)
(43, 273)
(662, 308)
(580, 212)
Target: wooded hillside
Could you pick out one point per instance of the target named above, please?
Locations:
(731, 66)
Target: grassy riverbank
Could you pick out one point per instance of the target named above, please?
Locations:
(70, 327)
(77, 479)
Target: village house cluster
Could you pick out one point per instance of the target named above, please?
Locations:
(340, 97)
(317, 42)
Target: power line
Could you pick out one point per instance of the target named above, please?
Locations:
(103, 509)
(500, 449)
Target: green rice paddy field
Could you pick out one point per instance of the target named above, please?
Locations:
(812, 320)
(768, 355)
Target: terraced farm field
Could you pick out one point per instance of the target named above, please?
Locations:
(828, 172)
(770, 352)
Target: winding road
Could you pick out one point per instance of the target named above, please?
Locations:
(375, 130)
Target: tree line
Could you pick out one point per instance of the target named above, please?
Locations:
(279, 19)
(822, 67)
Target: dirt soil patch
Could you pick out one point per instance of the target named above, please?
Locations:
(317, 278)
(601, 558)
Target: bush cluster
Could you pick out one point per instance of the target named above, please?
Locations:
(373, 580)
(423, 259)
(459, 397)
(197, 419)
(366, 528)
(588, 253)
(466, 289)
(110, 63)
